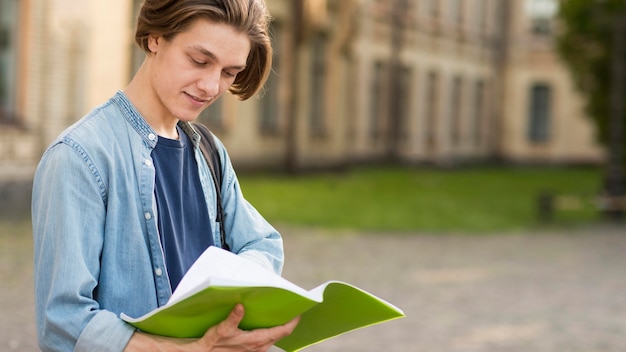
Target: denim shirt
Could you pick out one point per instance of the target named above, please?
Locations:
(96, 242)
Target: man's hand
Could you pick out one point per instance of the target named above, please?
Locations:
(224, 337)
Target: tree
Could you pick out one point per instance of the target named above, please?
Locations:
(591, 42)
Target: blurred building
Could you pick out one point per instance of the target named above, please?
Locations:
(416, 81)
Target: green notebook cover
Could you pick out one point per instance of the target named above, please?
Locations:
(219, 280)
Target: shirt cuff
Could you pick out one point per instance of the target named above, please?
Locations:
(106, 333)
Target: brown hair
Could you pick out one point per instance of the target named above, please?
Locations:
(167, 18)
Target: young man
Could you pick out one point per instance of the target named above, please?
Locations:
(123, 201)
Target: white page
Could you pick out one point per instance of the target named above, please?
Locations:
(218, 265)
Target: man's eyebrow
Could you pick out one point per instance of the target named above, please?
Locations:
(212, 56)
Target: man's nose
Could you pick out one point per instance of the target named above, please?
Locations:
(209, 83)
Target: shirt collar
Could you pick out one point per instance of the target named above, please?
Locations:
(134, 118)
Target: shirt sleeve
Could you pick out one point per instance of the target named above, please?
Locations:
(68, 212)
(105, 332)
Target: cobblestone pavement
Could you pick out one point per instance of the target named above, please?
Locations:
(533, 292)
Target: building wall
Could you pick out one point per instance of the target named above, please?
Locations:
(439, 48)
(74, 54)
(531, 59)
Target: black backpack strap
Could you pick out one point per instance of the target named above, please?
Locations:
(209, 150)
(212, 157)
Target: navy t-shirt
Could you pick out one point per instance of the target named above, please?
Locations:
(184, 226)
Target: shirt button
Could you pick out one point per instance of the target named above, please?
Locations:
(148, 216)
(151, 136)
(148, 162)
(158, 271)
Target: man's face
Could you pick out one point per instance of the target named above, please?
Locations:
(192, 70)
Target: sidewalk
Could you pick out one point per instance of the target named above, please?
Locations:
(522, 292)
(514, 293)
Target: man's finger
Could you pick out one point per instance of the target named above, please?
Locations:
(235, 316)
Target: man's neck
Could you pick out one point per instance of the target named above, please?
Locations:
(143, 97)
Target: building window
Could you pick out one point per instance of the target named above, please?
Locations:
(269, 111)
(399, 102)
(432, 111)
(269, 106)
(455, 111)
(403, 92)
(479, 112)
(8, 33)
(541, 14)
(539, 113)
(376, 100)
(318, 79)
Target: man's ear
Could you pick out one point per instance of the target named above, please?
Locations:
(153, 43)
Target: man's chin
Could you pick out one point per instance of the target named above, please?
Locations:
(189, 118)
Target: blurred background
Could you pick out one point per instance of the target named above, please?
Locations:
(439, 83)
(410, 120)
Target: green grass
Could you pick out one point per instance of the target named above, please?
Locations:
(404, 199)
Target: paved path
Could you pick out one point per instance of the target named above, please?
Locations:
(512, 293)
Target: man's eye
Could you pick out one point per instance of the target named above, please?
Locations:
(198, 62)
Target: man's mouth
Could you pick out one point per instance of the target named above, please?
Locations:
(197, 100)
